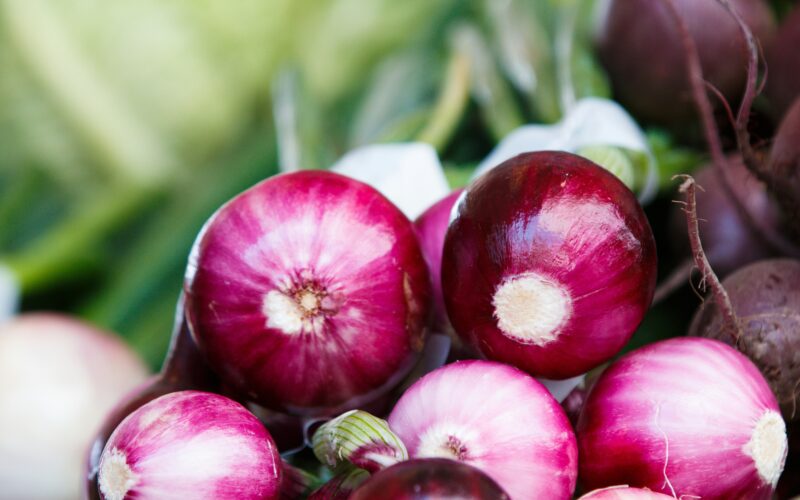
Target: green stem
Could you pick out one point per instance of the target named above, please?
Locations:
(68, 248)
(360, 439)
(451, 104)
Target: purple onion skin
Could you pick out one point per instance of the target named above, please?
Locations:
(428, 478)
(193, 444)
(727, 239)
(325, 248)
(783, 59)
(766, 298)
(496, 418)
(570, 223)
(431, 228)
(680, 415)
(639, 45)
(624, 493)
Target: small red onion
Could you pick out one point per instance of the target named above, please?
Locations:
(431, 228)
(624, 493)
(58, 379)
(430, 478)
(686, 417)
(550, 264)
(190, 444)
(496, 418)
(308, 293)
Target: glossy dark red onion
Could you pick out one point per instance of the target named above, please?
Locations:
(308, 293)
(427, 478)
(550, 264)
(686, 417)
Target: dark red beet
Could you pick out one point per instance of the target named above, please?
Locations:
(766, 299)
(783, 61)
(640, 47)
(425, 479)
(729, 241)
(784, 162)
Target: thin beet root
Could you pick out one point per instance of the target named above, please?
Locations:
(729, 241)
(766, 299)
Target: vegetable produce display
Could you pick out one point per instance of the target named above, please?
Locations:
(368, 249)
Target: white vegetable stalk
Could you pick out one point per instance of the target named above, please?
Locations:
(409, 174)
(592, 122)
(9, 294)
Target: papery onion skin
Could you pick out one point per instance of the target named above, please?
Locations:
(496, 418)
(58, 378)
(190, 444)
(578, 234)
(308, 293)
(431, 228)
(677, 417)
(428, 478)
(624, 493)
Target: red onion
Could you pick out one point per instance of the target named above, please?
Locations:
(549, 265)
(430, 478)
(431, 228)
(58, 379)
(496, 418)
(184, 369)
(624, 493)
(190, 444)
(687, 417)
(308, 293)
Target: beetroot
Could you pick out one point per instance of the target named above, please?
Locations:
(784, 165)
(729, 240)
(766, 299)
(640, 47)
(783, 60)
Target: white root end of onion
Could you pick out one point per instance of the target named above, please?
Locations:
(768, 446)
(116, 478)
(531, 309)
(446, 442)
(9, 294)
(289, 314)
